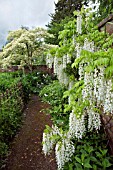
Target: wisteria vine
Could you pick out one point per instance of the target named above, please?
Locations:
(92, 88)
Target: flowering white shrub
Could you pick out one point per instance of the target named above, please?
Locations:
(89, 94)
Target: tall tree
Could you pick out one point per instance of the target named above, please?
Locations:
(63, 12)
(23, 47)
(104, 9)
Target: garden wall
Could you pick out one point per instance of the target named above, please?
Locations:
(43, 68)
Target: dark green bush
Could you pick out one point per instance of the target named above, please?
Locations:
(11, 105)
(91, 152)
(34, 82)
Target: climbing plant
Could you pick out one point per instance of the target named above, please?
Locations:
(88, 54)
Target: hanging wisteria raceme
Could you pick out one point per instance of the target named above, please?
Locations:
(68, 59)
(108, 104)
(76, 126)
(60, 74)
(87, 92)
(78, 50)
(71, 83)
(94, 121)
(79, 24)
(65, 79)
(89, 46)
(55, 65)
(99, 85)
(59, 66)
(73, 39)
(64, 61)
(49, 60)
(48, 141)
(64, 150)
(81, 71)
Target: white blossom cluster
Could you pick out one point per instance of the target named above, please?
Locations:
(87, 92)
(99, 85)
(94, 121)
(76, 125)
(108, 103)
(68, 59)
(64, 61)
(79, 24)
(80, 70)
(47, 143)
(48, 140)
(99, 92)
(78, 50)
(89, 46)
(64, 150)
(55, 65)
(59, 66)
(49, 60)
(71, 83)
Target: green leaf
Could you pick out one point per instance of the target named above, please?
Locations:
(104, 151)
(98, 154)
(106, 163)
(66, 94)
(71, 166)
(83, 156)
(93, 159)
(87, 164)
(78, 159)
(78, 166)
(94, 167)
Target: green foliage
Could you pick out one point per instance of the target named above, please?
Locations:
(53, 94)
(91, 153)
(34, 82)
(7, 80)
(11, 105)
(104, 9)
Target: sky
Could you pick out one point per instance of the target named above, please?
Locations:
(17, 13)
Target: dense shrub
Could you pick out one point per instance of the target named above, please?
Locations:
(11, 105)
(34, 82)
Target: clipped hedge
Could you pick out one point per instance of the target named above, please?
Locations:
(11, 105)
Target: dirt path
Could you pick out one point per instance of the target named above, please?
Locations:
(26, 152)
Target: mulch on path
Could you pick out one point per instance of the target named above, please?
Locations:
(26, 149)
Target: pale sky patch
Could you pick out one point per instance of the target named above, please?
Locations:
(17, 13)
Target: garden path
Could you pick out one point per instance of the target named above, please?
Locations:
(26, 149)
